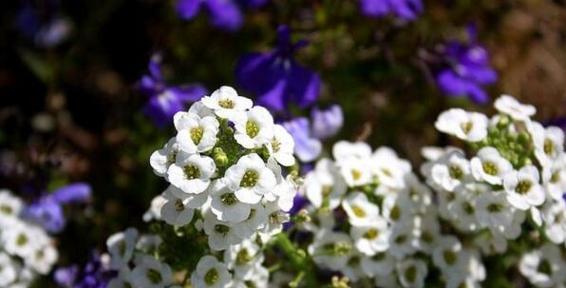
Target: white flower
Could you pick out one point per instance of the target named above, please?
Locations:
(389, 169)
(543, 267)
(355, 172)
(177, 210)
(8, 270)
(151, 273)
(242, 258)
(331, 249)
(250, 179)
(428, 230)
(258, 277)
(489, 166)
(508, 105)
(198, 109)
(275, 219)
(191, 173)
(254, 128)
(463, 210)
(448, 253)
(281, 146)
(371, 239)
(161, 159)
(10, 206)
(353, 268)
(154, 211)
(345, 150)
(468, 126)
(523, 189)
(324, 186)
(226, 103)
(360, 211)
(554, 178)
(549, 143)
(210, 273)
(285, 189)
(255, 220)
(450, 170)
(491, 243)
(412, 273)
(381, 263)
(42, 259)
(403, 240)
(225, 205)
(220, 234)
(19, 239)
(121, 247)
(494, 212)
(196, 134)
(555, 221)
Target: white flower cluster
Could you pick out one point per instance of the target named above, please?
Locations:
(25, 248)
(391, 223)
(225, 162)
(241, 268)
(518, 173)
(133, 257)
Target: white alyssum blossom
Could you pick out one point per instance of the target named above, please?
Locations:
(510, 106)
(324, 186)
(523, 189)
(243, 258)
(372, 238)
(388, 168)
(543, 267)
(554, 214)
(211, 273)
(226, 103)
(448, 254)
(360, 211)
(490, 166)
(281, 146)
(468, 126)
(548, 143)
(121, 247)
(161, 159)
(151, 273)
(8, 270)
(220, 234)
(343, 150)
(554, 178)
(196, 134)
(450, 170)
(331, 249)
(250, 178)
(254, 128)
(412, 273)
(191, 173)
(10, 206)
(225, 205)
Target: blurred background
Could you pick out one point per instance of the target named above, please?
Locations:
(80, 81)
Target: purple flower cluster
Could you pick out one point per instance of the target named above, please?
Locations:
(276, 78)
(407, 10)
(164, 100)
(93, 275)
(468, 70)
(224, 14)
(307, 135)
(47, 211)
(44, 29)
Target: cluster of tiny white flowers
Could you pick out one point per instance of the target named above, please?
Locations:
(133, 257)
(241, 267)
(517, 176)
(225, 162)
(25, 248)
(391, 223)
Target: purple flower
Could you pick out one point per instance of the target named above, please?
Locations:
(468, 70)
(93, 275)
(405, 9)
(48, 210)
(307, 147)
(276, 78)
(45, 30)
(326, 123)
(165, 101)
(224, 14)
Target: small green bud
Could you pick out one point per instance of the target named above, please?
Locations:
(503, 122)
(220, 158)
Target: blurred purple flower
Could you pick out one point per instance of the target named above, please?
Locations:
(307, 147)
(93, 275)
(276, 78)
(165, 101)
(326, 123)
(45, 29)
(48, 210)
(405, 9)
(224, 14)
(468, 70)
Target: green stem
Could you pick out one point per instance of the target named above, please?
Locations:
(298, 258)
